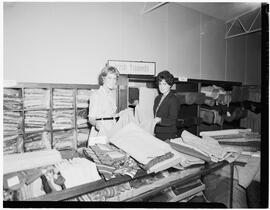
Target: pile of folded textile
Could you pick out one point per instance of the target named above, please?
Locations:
(36, 98)
(111, 161)
(153, 154)
(243, 139)
(37, 141)
(82, 117)
(108, 194)
(63, 119)
(216, 93)
(12, 132)
(12, 122)
(83, 97)
(62, 98)
(12, 99)
(63, 140)
(36, 120)
(84, 169)
(205, 148)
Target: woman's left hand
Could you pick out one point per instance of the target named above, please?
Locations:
(157, 120)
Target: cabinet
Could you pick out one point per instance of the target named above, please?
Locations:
(44, 116)
(189, 117)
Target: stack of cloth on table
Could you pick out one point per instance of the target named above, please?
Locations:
(83, 97)
(111, 161)
(82, 117)
(36, 98)
(12, 99)
(205, 148)
(243, 139)
(36, 120)
(37, 141)
(63, 98)
(12, 137)
(82, 137)
(84, 169)
(218, 94)
(63, 140)
(190, 97)
(153, 154)
(63, 119)
(113, 193)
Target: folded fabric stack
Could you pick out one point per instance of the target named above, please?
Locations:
(209, 101)
(37, 141)
(84, 169)
(82, 137)
(108, 194)
(207, 146)
(83, 97)
(243, 139)
(62, 98)
(144, 148)
(211, 116)
(190, 97)
(12, 99)
(111, 161)
(12, 132)
(35, 121)
(63, 140)
(218, 94)
(63, 119)
(36, 98)
(82, 117)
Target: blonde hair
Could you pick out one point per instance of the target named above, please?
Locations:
(105, 71)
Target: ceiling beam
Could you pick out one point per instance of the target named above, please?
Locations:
(159, 4)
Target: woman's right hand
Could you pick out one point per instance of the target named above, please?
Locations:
(98, 125)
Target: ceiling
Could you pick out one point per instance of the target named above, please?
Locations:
(222, 10)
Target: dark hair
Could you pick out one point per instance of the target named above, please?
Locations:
(105, 71)
(165, 75)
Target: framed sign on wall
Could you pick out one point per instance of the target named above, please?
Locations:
(134, 67)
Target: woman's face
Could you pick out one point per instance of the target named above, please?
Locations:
(110, 81)
(164, 87)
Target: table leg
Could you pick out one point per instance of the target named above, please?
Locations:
(231, 185)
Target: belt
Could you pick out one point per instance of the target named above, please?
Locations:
(108, 118)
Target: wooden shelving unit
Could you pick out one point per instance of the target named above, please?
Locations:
(51, 109)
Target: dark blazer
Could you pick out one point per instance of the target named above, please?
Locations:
(168, 112)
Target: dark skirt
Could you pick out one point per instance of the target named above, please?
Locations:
(165, 136)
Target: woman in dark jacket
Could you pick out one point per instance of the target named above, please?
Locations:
(166, 107)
